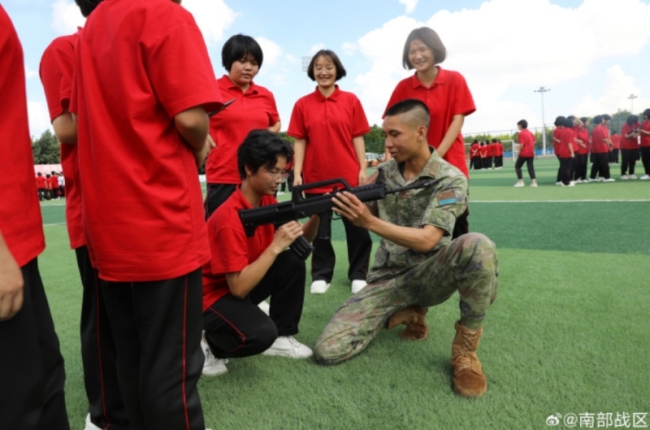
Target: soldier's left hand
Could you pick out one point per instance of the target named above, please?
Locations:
(348, 205)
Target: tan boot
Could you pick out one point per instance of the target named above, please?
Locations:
(469, 379)
(413, 317)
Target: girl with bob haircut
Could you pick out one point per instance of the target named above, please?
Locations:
(253, 108)
(445, 93)
(328, 126)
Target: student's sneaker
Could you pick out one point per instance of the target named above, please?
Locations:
(632, 176)
(534, 184)
(593, 180)
(213, 366)
(90, 425)
(288, 346)
(319, 287)
(572, 183)
(645, 177)
(623, 177)
(519, 184)
(559, 183)
(357, 285)
(609, 180)
(264, 307)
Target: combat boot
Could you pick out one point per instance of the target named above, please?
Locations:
(469, 379)
(413, 317)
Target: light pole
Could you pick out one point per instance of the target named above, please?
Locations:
(631, 98)
(543, 90)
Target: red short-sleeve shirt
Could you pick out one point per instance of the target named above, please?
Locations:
(231, 250)
(498, 149)
(474, 150)
(582, 134)
(625, 143)
(483, 151)
(40, 182)
(527, 142)
(645, 139)
(137, 65)
(329, 124)
(598, 134)
(252, 110)
(21, 224)
(56, 70)
(449, 95)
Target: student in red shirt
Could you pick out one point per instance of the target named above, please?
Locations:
(328, 126)
(490, 154)
(98, 353)
(567, 152)
(526, 154)
(600, 146)
(645, 144)
(557, 146)
(616, 146)
(33, 375)
(483, 153)
(445, 93)
(54, 185)
(244, 271)
(40, 186)
(629, 146)
(253, 108)
(498, 155)
(581, 130)
(475, 156)
(143, 86)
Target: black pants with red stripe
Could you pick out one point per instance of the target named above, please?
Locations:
(31, 366)
(157, 330)
(98, 353)
(238, 328)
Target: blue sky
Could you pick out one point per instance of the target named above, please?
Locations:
(591, 54)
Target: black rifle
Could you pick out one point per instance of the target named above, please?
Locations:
(301, 207)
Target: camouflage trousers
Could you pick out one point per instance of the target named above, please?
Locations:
(468, 265)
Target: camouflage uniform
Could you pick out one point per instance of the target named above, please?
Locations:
(402, 277)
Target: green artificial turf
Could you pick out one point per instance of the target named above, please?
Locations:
(568, 332)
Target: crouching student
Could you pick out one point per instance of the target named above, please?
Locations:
(244, 271)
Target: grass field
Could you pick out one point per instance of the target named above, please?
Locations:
(569, 332)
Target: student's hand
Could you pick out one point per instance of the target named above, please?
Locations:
(297, 180)
(348, 205)
(285, 235)
(362, 177)
(202, 154)
(11, 286)
(371, 179)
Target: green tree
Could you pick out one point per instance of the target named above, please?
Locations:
(374, 140)
(46, 149)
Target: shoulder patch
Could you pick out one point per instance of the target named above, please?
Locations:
(446, 198)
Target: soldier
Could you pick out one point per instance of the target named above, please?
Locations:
(417, 264)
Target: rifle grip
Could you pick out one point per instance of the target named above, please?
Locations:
(301, 248)
(325, 226)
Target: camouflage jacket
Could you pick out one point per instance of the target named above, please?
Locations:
(438, 205)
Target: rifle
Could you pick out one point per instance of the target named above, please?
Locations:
(301, 207)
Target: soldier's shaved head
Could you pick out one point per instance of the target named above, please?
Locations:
(415, 113)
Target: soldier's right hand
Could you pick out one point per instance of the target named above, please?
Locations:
(285, 235)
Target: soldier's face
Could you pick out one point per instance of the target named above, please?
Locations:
(403, 139)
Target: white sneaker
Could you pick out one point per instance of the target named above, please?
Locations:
(357, 285)
(632, 176)
(519, 184)
(593, 180)
(559, 183)
(90, 425)
(623, 177)
(645, 177)
(534, 184)
(288, 346)
(319, 287)
(572, 183)
(609, 180)
(264, 307)
(213, 366)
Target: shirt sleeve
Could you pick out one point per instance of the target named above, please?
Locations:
(445, 206)
(360, 121)
(229, 249)
(463, 103)
(273, 114)
(56, 76)
(297, 122)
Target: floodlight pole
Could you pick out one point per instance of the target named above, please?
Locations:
(543, 90)
(631, 98)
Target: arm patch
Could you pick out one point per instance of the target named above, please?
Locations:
(446, 198)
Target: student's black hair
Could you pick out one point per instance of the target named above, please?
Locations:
(239, 47)
(646, 113)
(632, 119)
(568, 123)
(494, 141)
(410, 105)
(47, 175)
(39, 174)
(261, 148)
(598, 119)
(331, 55)
(87, 6)
(584, 120)
(475, 141)
(430, 38)
(607, 117)
(523, 123)
(559, 121)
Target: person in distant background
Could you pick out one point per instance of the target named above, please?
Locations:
(557, 146)
(616, 147)
(526, 154)
(629, 146)
(645, 144)
(498, 155)
(475, 156)
(600, 147)
(582, 154)
(483, 152)
(41, 187)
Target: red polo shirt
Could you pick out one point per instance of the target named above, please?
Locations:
(491, 150)
(329, 124)
(54, 182)
(498, 149)
(252, 110)
(582, 134)
(137, 65)
(527, 142)
(449, 95)
(628, 143)
(56, 71)
(474, 150)
(21, 224)
(40, 182)
(483, 151)
(231, 250)
(616, 141)
(598, 134)
(645, 139)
